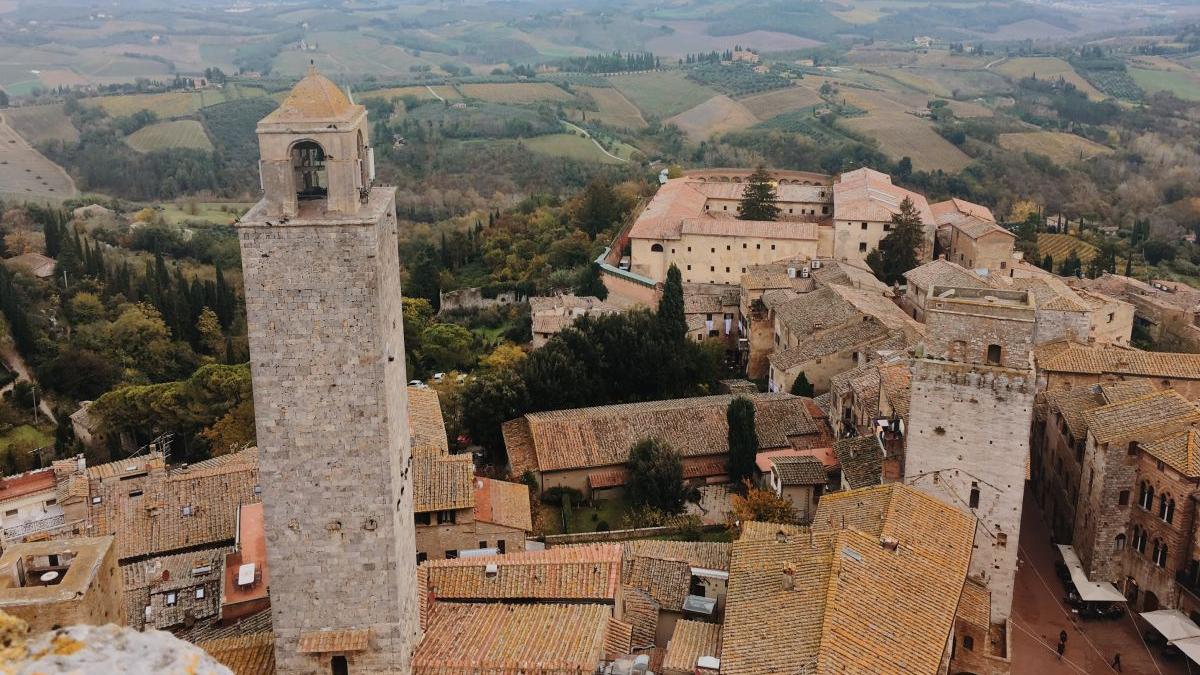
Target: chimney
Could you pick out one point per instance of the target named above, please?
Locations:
(889, 543)
(891, 468)
(789, 578)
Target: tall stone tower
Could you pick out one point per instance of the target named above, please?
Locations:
(320, 258)
(969, 421)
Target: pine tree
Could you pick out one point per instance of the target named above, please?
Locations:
(802, 387)
(760, 200)
(670, 306)
(1048, 263)
(898, 251)
(743, 439)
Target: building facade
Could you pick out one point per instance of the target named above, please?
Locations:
(322, 279)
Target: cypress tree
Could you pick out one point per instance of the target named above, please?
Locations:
(743, 439)
(802, 387)
(670, 307)
(897, 252)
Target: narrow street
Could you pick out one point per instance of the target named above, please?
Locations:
(1039, 615)
(15, 363)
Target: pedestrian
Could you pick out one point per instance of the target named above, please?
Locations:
(1116, 662)
(1062, 647)
(1062, 637)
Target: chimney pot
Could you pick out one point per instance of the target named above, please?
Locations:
(889, 543)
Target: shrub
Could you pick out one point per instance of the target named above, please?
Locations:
(554, 496)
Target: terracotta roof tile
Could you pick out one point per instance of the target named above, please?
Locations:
(667, 581)
(245, 655)
(858, 336)
(339, 640)
(602, 436)
(442, 482)
(895, 381)
(704, 554)
(314, 99)
(942, 272)
(619, 640)
(23, 484)
(954, 210)
(801, 470)
(1179, 452)
(1145, 419)
(861, 459)
(641, 611)
(1096, 360)
(762, 229)
(503, 503)
(607, 478)
(587, 572)
(690, 641)
(426, 426)
(865, 194)
(975, 605)
(504, 638)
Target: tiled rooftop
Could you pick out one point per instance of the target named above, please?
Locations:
(252, 654)
(801, 470)
(861, 459)
(858, 336)
(690, 641)
(705, 554)
(942, 272)
(426, 425)
(503, 503)
(442, 482)
(1179, 452)
(866, 194)
(667, 581)
(1067, 357)
(1142, 419)
(504, 638)
(602, 436)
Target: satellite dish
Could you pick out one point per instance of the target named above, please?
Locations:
(49, 576)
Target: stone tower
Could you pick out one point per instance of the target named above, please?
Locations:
(969, 421)
(322, 280)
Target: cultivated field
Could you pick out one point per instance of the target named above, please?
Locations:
(1048, 68)
(216, 213)
(1060, 246)
(25, 172)
(1061, 147)
(901, 134)
(1184, 84)
(172, 104)
(775, 103)
(519, 92)
(167, 135)
(41, 123)
(687, 37)
(422, 93)
(570, 146)
(662, 93)
(615, 110)
(715, 116)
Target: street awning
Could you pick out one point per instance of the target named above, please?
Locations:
(1178, 629)
(1089, 591)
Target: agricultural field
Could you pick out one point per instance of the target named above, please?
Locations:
(517, 92)
(351, 54)
(25, 172)
(41, 123)
(717, 115)
(1048, 68)
(571, 146)
(687, 37)
(774, 103)
(900, 134)
(421, 92)
(188, 134)
(1060, 246)
(614, 109)
(173, 104)
(215, 213)
(1062, 148)
(662, 93)
(1184, 84)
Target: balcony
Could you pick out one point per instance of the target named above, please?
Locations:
(33, 526)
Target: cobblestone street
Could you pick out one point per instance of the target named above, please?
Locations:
(1039, 615)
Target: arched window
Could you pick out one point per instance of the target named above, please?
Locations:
(993, 355)
(1146, 496)
(308, 169)
(1154, 553)
(1162, 507)
(1139, 539)
(338, 665)
(1170, 514)
(656, 248)
(1120, 542)
(1160, 553)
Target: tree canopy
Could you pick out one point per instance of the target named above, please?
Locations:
(897, 252)
(743, 439)
(760, 201)
(655, 476)
(671, 316)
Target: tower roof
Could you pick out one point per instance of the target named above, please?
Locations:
(314, 98)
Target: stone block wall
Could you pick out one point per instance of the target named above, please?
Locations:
(962, 330)
(969, 430)
(1107, 469)
(1059, 324)
(327, 358)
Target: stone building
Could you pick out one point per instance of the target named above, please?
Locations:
(801, 480)
(550, 315)
(864, 201)
(29, 504)
(1164, 311)
(322, 280)
(941, 272)
(969, 421)
(713, 312)
(60, 583)
(971, 237)
(588, 447)
(1064, 364)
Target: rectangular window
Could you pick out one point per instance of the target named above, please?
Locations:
(864, 226)
(446, 517)
(10, 513)
(135, 493)
(422, 518)
(422, 557)
(728, 248)
(862, 247)
(51, 502)
(772, 247)
(500, 546)
(187, 510)
(757, 246)
(452, 554)
(200, 593)
(96, 499)
(483, 544)
(743, 245)
(712, 250)
(689, 268)
(171, 599)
